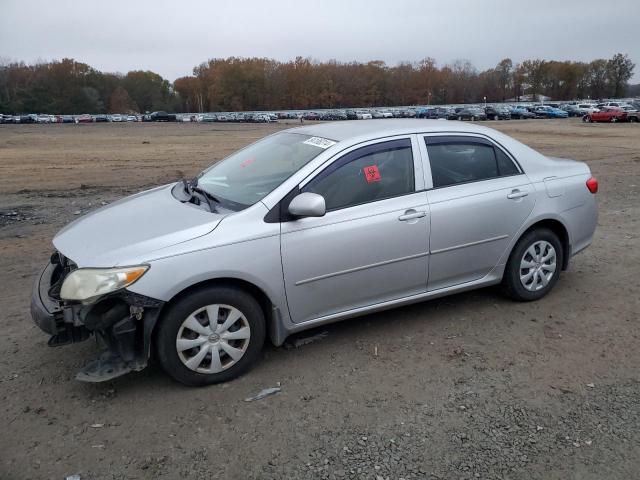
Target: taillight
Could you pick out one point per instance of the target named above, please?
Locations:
(592, 185)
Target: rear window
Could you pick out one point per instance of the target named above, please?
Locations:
(462, 161)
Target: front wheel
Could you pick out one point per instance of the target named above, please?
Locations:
(210, 335)
(534, 266)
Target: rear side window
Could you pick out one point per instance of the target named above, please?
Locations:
(455, 161)
(371, 173)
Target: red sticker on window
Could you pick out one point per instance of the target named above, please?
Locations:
(248, 162)
(371, 173)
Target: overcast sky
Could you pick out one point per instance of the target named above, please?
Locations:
(171, 37)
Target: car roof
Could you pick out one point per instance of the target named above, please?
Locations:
(351, 129)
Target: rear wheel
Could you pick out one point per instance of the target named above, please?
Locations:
(211, 335)
(534, 266)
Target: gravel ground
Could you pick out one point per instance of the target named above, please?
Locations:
(465, 387)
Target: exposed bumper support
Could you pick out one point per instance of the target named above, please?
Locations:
(122, 322)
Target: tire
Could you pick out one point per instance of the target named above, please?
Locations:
(614, 119)
(244, 337)
(515, 283)
(633, 119)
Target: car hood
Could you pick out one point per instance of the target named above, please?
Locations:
(129, 230)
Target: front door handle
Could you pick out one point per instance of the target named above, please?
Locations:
(515, 194)
(412, 215)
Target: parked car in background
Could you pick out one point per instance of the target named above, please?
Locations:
(43, 119)
(351, 115)
(468, 113)
(101, 118)
(521, 112)
(497, 112)
(615, 104)
(86, 118)
(131, 118)
(200, 273)
(440, 113)
(582, 109)
(264, 118)
(633, 116)
(606, 114)
(547, 111)
(208, 118)
(162, 116)
(117, 118)
(423, 112)
(31, 118)
(408, 113)
(363, 115)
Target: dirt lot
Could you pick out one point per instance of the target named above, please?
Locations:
(470, 386)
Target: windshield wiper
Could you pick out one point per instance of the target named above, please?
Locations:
(192, 189)
(208, 197)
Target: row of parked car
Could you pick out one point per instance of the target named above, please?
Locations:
(32, 118)
(613, 111)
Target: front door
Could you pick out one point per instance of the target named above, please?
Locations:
(372, 244)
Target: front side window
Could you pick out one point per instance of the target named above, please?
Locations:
(456, 161)
(371, 173)
(247, 176)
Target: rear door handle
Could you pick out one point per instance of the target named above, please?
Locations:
(515, 194)
(411, 215)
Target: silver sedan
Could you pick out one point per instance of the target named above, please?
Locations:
(305, 227)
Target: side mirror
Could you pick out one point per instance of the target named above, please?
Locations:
(308, 204)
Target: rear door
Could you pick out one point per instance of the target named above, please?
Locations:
(479, 200)
(372, 244)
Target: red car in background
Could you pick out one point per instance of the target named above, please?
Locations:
(606, 114)
(84, 119)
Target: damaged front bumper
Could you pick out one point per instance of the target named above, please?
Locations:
(122, 323)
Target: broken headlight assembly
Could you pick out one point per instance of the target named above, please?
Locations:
(86, 283)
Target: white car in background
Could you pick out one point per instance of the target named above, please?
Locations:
(584, 108)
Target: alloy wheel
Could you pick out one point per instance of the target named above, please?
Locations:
(538, 266)
(213, 338)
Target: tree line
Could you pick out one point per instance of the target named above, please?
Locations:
(237, 84)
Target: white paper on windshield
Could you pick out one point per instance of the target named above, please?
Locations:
(320, 142)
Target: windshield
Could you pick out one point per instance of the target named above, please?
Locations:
(247, 176)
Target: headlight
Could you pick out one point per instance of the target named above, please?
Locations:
(86, 283)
